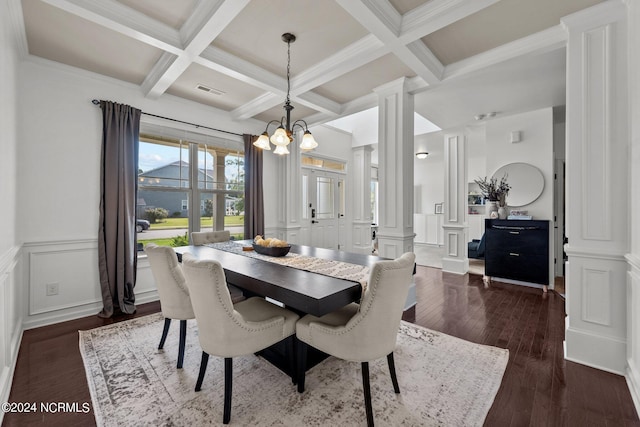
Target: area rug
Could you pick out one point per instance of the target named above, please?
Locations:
(444, 381)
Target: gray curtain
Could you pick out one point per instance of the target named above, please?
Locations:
(253, 195)
(117, 257)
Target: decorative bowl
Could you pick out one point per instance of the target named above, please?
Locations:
(274, 251)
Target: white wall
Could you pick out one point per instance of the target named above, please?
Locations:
(10, 301)
(59, 155)
(535, 148)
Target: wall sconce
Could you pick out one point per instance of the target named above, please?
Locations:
(516, 136)
(422, 155)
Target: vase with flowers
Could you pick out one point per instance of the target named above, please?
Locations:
(496, 193)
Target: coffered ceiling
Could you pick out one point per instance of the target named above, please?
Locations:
(461, 56)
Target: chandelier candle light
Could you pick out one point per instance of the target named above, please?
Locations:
(284, 133)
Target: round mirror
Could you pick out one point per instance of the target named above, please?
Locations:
(526, 181)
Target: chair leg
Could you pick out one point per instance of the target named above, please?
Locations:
(302, 363)
(392, 369)
(165, 331)
(181, 345)
(367, 393)
(228, 380)
(203, 369)
(290, 350)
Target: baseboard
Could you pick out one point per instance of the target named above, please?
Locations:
(604, 353)
(6, 376)
(455, 265)
(81, 311)
(633, 382)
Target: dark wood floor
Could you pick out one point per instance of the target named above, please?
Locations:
(539, 387)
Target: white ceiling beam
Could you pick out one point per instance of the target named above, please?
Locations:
(206, 22)
(318, 102)
(383, 21)
(122, 19)
(242, 70)
(256, 106)
(436, 14)
(354, 56)
(354, 106)
(541, 42)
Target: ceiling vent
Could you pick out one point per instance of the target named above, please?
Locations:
(210, 90)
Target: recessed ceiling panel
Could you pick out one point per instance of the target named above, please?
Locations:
(368, 77)
(171, 12)
(62, 37)
(500, 23)
(226, 92)
(404, 6)
(321, 29)
(523, 84)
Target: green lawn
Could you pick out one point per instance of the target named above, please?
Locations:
(204, 222)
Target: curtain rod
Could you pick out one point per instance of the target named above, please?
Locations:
(96, 102)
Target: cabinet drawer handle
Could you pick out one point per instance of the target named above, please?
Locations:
(514, 232)
(513, 254)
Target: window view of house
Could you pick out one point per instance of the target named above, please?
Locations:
(177, 198)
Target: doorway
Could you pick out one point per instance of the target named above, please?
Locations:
(323, 197)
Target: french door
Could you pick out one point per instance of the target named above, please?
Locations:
(323, 207)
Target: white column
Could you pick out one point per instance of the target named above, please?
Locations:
(633, 258)
(455, 258)
(289, 179)
(395, 166)
(597, 181)
(360, 182)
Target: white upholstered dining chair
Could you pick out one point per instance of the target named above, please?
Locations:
(362, 332)
(174, 294)
(199, 238)
(228, 330)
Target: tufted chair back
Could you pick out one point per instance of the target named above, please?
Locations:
(171, 282)
(199, 238)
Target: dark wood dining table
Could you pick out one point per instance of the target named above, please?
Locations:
(302, 291)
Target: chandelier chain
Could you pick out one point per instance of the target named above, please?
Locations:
(288, 69)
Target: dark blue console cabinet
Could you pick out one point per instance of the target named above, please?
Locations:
(517, 250)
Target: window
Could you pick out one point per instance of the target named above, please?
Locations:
(177, 198)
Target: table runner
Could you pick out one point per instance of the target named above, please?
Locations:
(327, 267)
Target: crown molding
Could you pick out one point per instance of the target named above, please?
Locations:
(605, 12)
(14, 8)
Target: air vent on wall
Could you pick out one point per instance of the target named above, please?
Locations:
(210, 90)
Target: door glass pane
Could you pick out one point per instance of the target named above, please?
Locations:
(305, 197)
(325, 198)
(341, 198)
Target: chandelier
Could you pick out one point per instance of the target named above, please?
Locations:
(284, 133)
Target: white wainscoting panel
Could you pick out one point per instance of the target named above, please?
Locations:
(453, 244)
(10, 319)
(596, 296)
(73, 268)
(633, 328)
